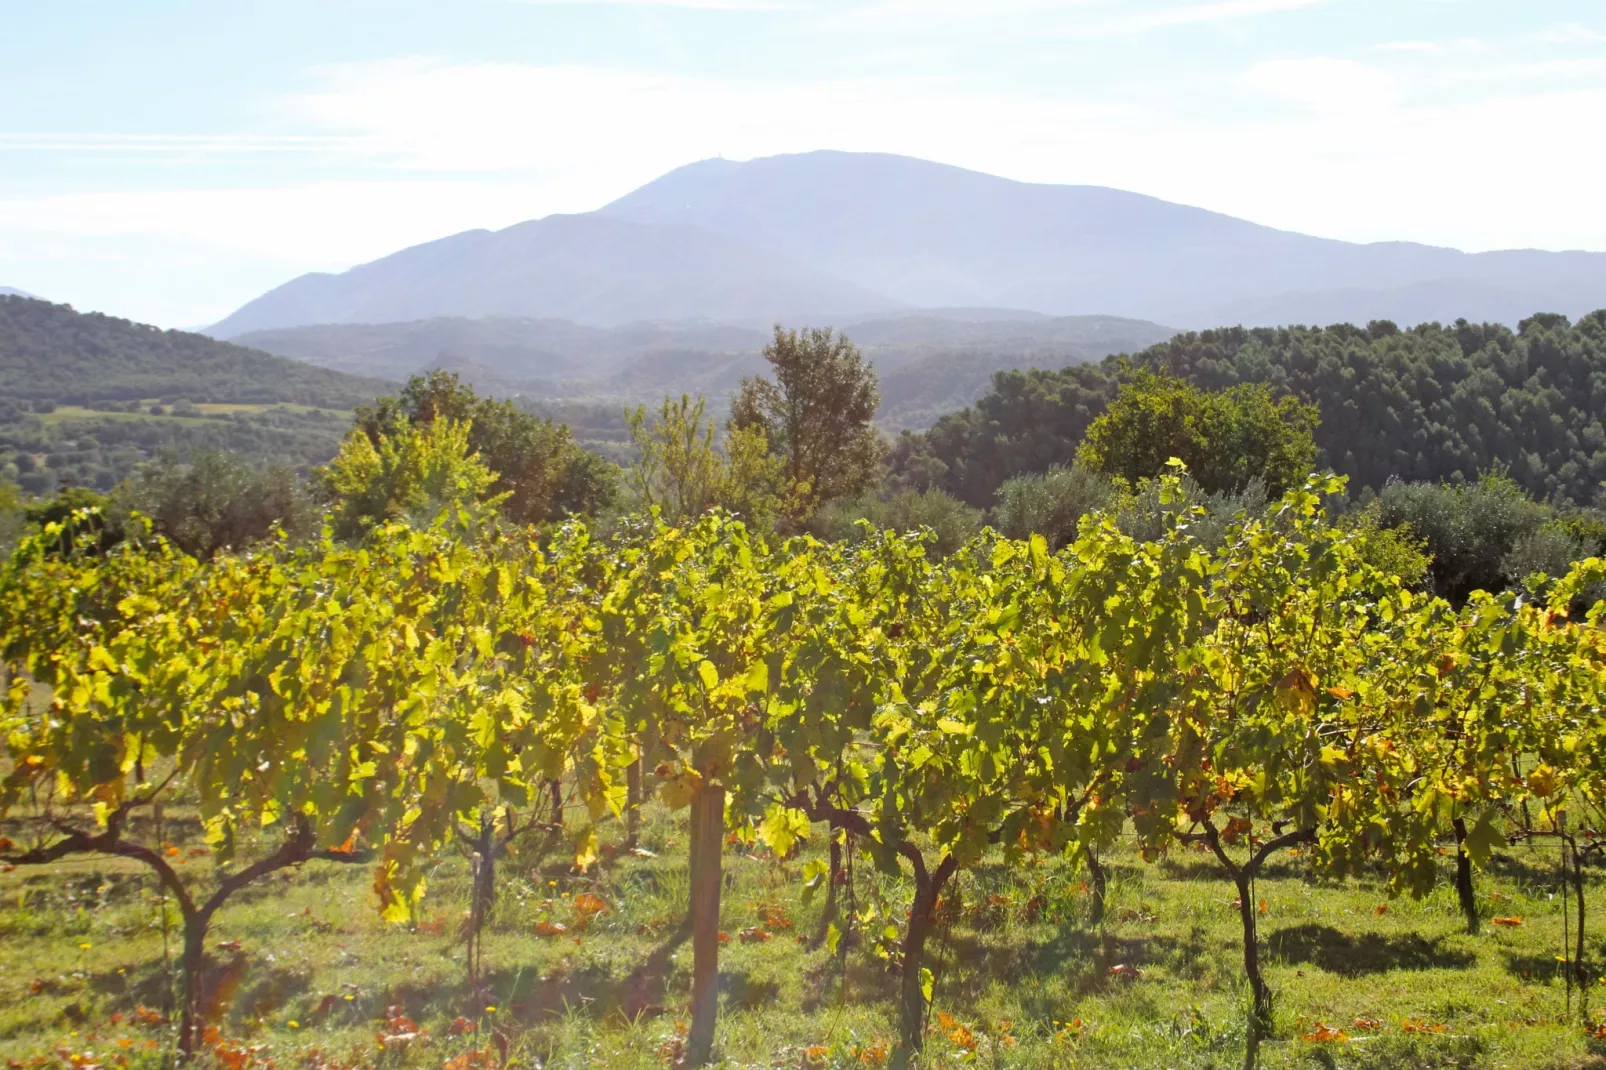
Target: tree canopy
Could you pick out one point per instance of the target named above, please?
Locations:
(1430, 403)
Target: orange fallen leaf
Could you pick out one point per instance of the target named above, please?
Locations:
(1417, 1025)
(1506, 923)
(1380, 909)
(1367, 1025)
(1324, 1034)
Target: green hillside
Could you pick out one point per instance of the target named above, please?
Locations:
(1432, 402)
(51, 352)
(85, 398)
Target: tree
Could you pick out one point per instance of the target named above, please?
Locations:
(217, 501)
(540, 472)
(417, 472)
(950, 521)
(816, 415)
(1477, 534)
(682, 472)
(1226, 438)
(1053, 503)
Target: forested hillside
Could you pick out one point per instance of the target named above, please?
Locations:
(1428, 403)
(51, 352)
(85, 398)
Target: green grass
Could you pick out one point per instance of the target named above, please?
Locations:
(67, 413)
(316, 970)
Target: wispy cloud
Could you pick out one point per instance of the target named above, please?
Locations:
(176, 143)
(693, 5)
(1191, 14)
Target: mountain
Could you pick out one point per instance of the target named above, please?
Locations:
(928, 234)
(931, 361)
(52, 352)
(833, 236)
(8, 291)
(592, 269)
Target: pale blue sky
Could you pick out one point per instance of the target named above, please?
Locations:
(169, 159)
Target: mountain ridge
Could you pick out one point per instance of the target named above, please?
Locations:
(828, 236)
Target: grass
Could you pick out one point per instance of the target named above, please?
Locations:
(67, 413)
(305, 972)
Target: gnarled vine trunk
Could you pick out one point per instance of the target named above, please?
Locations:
(912, 996)
(707, 848)
(1464, 892)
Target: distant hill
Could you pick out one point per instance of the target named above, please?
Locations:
(51, 352)
(8, 291)
(86, 398)
(930, 362)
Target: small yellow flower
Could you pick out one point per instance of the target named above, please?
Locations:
(491, 1009)
(294, 1024)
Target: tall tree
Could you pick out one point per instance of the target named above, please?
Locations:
(539, 469)
(816, 414)
(1226, 438)
(683, 472)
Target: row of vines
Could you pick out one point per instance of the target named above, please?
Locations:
(378, 703)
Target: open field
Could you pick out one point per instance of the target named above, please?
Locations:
(304, 971)
(67, 413)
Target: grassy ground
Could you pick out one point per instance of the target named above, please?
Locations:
(305, 972)
(67, 413)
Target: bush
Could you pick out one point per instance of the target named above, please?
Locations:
(951, 521)
(1052, 504)
(1471, 530)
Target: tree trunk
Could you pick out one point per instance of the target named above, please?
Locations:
(192, 1022)
(633, 803)
(911, 998)
(1463, 878)
(828, 915)
(1580, 972)
(707, 844)
(1098, 880)
(484, 894)
(1261, 1020)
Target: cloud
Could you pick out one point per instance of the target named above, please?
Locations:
(1323, 144)
(1329, 86)
(694, 5)
(1569, 33)
(189, 144)
(1190, 14)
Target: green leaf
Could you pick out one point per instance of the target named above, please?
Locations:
(709, 674)
(927, 983)
(782, 828)
(1482, 839)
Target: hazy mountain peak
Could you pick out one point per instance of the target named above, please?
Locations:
(827, 236)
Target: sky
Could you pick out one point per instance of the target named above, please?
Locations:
(169, 160)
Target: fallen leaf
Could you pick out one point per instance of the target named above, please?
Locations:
(1324, 1034)
(1506, 923)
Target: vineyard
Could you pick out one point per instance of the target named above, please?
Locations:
(786, 802)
